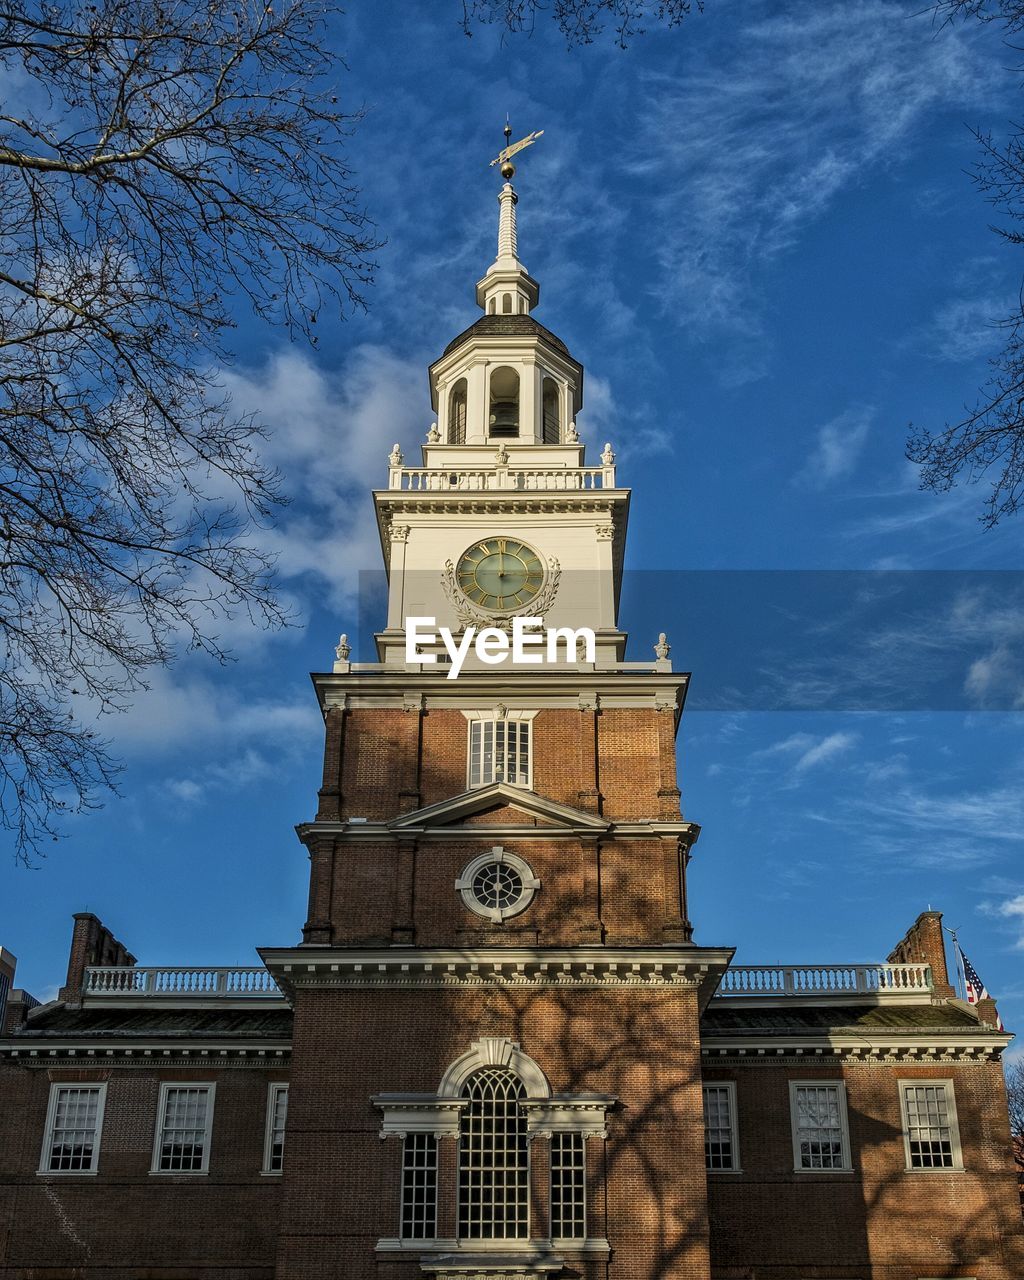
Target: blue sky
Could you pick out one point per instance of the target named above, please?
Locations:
(757, 234)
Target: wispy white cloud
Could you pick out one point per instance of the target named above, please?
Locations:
(1010, 909)
(837, 448)
(330, 434)
(805, 751)
(965, 328)
(747, 152)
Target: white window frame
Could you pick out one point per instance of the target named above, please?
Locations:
(161, 1115)
(490, 716)
(46, 1153)
(947, 1085)
(568, 1242)
(413, 1135)
(464, 884)
(274, 1090)
(730, 1087)
(844, 1125)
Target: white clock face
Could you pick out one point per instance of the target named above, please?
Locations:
(500, 574)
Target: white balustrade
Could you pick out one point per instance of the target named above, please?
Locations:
(825, 979)
(514, 479)
(120, 980)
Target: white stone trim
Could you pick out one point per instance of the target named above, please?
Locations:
(498, 711)
(962, 1046)
(419, 1113)
(494, 1051)
(464, 884)
(585, 1114)
(597, 966)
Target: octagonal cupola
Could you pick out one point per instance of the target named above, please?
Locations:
(506, 379)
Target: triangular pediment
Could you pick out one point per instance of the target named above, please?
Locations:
(499, 799)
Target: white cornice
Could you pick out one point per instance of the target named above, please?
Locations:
(375, 832)
(92, 1051)
(537, 688)
(872, 1047)
(435, 968)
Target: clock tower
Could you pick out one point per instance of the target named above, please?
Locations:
(496, 1056)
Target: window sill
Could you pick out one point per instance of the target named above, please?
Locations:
(271, 1173)
(470, 1247)
(825, 1173)
(179, 1173)
(66, 1173)
(589, 1245)
(932, 1172)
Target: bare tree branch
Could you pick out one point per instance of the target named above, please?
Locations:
(579, 21)
(170, 159)
(988, 440)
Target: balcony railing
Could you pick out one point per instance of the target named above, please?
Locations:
(118, 980)
(507, 479)
(761, 980)
(826, 979)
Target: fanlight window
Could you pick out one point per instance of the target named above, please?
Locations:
(494, 1159)
(552, 425)
(457, 413)
(503, 418)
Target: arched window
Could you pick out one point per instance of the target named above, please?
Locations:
(503, 418)
(506, 303)
(490, 306)
(457, 413)
(522, 306)
(494, 1158)
(552, 425)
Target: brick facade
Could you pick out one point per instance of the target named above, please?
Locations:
(569, 978)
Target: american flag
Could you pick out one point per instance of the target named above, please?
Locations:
(976, 989)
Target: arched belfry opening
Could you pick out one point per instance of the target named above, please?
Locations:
(552, 420)
(457, 413)
(503, 415)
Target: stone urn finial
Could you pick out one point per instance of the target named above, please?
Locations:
(395, 456)
(662, 649)
(342, 649)
(608, 455)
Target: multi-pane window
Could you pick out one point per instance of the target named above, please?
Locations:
(73, 1125)
(419, 1187)
(499, 751)
(929, 1118)
(720, 1146)
(819, 1126)
(277, 1115)
(568, 1186)
(183, 1129)
(494, 1163)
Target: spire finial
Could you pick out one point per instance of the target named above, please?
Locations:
(504, 157)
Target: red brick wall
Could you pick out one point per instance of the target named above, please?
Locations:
(880, 1221)
(383, 758)
(123, 1223)
(342, 1181)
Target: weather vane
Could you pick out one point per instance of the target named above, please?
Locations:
(504, 157)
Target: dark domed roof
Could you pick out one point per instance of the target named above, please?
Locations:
(507, 326)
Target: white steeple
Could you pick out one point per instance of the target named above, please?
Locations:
(508, 288)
